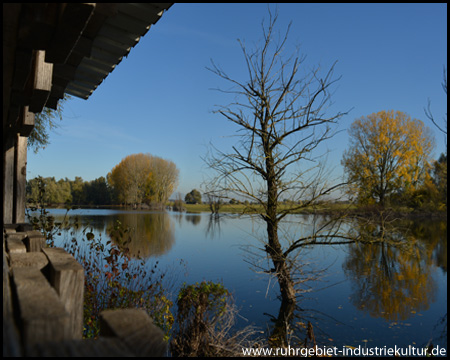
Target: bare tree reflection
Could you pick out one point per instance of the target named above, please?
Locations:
(213, 228)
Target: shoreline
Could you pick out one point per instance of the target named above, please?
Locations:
(333, 209)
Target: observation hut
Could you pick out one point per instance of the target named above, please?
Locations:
(52, 49)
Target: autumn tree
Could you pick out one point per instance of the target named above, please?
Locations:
(280, 116)
(131, 179)
(388, 153)
(164, 180)
(142, 178)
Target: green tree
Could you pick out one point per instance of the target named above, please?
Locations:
(440, 177)
(33, 191)
(44, 122)
(97, 192)
(51, 190)
(78, 193)
(63, 192)
(389, 153)
(194, 197)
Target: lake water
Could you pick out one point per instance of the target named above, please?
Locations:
(368, 295)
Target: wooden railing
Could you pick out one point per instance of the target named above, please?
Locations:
(43, 306)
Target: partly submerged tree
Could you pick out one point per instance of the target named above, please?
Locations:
(389, 153)
(281, 120)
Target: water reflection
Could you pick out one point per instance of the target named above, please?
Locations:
(151, 234)
(389, 280)
(390, 268)
(193, 218)
(395, 281)
(179, 217)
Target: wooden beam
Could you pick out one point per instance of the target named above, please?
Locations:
(26, 122)
(136, 329)
(11, 339)
(36, 260)
(37, 24)
(67, 277)
(14, 243)
(42, 83)
(20, 178)
(73, 19)
(8, 182)
(22, 68)
(43, 317)
(34, 241)
(11, 13)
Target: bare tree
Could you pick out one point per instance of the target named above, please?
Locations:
(429, 115)
(281, 119)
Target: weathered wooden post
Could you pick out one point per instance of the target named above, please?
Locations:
(66, 275)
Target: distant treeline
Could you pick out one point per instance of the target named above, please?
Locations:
(138, 179)
(65, 191)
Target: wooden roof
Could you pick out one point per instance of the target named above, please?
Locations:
(50, 49)
(73, 46)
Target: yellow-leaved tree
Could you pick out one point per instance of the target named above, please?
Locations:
(389, 153)
(140, 178)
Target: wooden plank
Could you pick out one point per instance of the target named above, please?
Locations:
(101, 347)
(42, 315)
(67, 277)
(35, 260)
(14, 242)
(73, 19)
(34, 241)
(136, 329)
(26, 122)
(16, 235)
(8, 184)
(22, 68)
(9, 228)
(18, 227)
(11, 340)
(42, 83)
(20, 178)
(24, 227)
(37, 24)
(11, 14)
(52, 102)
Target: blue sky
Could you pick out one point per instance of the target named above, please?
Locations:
(159, 100)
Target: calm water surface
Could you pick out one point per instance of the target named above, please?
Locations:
(366, 295)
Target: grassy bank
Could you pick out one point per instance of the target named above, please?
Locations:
(255, 209)
(326, 208)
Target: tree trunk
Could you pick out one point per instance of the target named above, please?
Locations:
(280, 264)
(279, 335)
(274, 247)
